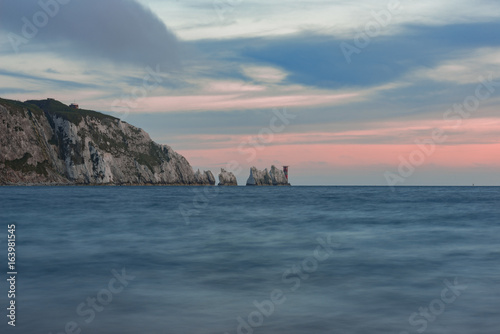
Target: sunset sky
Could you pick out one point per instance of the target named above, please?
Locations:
(369, 92)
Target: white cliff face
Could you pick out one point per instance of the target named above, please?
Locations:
(24, 153)
(275, 177)
(227, 178)
(42, 146)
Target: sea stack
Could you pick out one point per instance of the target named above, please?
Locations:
(204, 178)
(274, 177)
(227, 178)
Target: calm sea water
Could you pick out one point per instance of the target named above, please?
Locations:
(254, 260)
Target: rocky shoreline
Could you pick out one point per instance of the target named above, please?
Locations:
(47, 143)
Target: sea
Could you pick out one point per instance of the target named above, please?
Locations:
(269, 260)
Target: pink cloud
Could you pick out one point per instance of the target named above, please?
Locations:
(332, 156)
(473, 131)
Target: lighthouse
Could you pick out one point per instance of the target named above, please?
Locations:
(285, 170)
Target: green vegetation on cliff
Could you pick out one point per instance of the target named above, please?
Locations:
(19, 107)
(75, 116)
(23, 166)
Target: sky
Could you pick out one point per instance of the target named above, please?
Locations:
(344, 92)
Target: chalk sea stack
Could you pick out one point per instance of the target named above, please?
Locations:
(274, 177)
(227, 178)
(204, 178)
(48, 142)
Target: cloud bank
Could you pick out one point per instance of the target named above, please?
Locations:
(121, 31)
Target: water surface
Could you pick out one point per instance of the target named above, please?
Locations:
(201, 257)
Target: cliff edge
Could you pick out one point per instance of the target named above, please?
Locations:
(47, 142)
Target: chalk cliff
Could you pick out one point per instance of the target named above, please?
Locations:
(47, 142)
(227, 178)
(275, 177)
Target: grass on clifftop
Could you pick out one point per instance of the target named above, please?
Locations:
(54, 107)
(18, 107)
(75, 116)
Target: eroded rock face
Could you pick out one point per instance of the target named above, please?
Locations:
(204, 178)
(275, 177)
(278, 177)
(259, 177)
(46, 142)
(227, 178)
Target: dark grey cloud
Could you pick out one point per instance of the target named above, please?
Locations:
(122, 31)
(318, 61)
